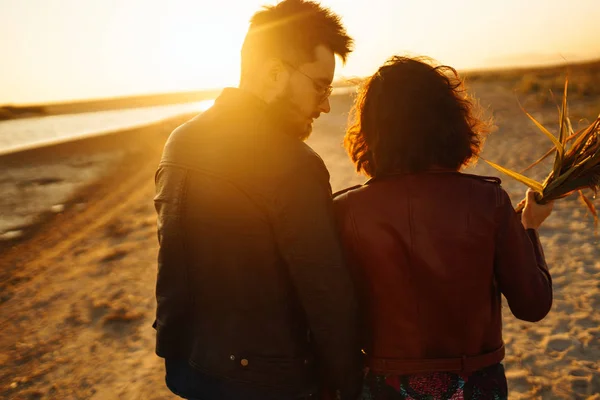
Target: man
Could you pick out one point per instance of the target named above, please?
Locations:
(253, 299)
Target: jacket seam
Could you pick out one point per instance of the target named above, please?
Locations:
(183, 198)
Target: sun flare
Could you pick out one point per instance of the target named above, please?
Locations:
(108, 49)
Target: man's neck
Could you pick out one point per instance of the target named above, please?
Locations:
(251, 88)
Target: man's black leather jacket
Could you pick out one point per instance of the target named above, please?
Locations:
(251, 282)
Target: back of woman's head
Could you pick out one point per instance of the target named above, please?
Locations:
(412, 116)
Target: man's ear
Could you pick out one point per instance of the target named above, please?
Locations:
(271, 79)
(277, 74)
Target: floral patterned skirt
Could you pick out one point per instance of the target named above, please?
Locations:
(485, 384)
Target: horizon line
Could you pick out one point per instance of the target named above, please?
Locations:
(339, 81)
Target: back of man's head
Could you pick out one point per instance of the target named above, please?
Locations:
(290, 31)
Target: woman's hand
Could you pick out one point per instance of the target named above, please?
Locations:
(534, 214)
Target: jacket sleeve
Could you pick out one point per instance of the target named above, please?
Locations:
(171, 289)
(307, 239)
(520, 266)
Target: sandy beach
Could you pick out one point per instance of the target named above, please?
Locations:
(78, 262)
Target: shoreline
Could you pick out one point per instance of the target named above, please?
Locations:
(57, 176)
(77, 141)
(84, 143)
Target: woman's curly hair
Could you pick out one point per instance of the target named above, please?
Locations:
(411, 116)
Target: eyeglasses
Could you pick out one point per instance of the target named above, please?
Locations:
(323, 91)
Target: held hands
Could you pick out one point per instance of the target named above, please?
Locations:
(534, 213)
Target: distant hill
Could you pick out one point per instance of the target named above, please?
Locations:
(10, 112)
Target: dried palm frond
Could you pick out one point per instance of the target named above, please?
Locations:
(576, 162)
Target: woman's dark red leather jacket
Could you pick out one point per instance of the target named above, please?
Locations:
(431, 254)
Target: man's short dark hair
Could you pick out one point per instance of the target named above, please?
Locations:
(291, 30)
(411, 116)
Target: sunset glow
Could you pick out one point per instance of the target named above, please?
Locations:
(69, 49)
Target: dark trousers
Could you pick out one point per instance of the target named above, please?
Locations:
(188, 383)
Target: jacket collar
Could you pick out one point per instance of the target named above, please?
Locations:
(241, 100)
(432, 170)
(249, 106)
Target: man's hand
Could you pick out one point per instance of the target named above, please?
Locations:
(534, 214)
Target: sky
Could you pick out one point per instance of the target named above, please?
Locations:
(60, 50)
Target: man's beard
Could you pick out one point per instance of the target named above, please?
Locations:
(294, 120)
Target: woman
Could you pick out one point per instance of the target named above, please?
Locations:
(432, 249)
